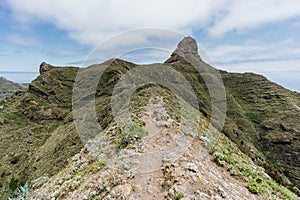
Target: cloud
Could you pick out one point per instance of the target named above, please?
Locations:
(92, 21)
(22, 40)
(254, 51)
(282, 66)
(243, 15)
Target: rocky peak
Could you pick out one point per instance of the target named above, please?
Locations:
(187, 48)
(44, 67)
(187, 45)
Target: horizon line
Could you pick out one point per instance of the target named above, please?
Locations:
(18, 72)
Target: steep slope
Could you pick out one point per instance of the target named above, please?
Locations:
(36, 136)
(274, 116)
(8, 88)
(41, 145)
(257, 111)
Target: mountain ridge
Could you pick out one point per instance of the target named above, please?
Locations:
(44, 128)
(8, 88)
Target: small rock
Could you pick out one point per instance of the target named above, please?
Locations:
(221, 192)
(2, 120)
(33, 102)
(204, 139)
(192, 167)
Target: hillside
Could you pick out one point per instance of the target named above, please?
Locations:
(8, 88)
(158, 154)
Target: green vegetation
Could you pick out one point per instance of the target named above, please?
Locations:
(179, 196)
(227, 155)
(21, 193)
(255, 118)
(129, 135)
(14, 159)
(31, 130)
(262, 121)
(37, 134)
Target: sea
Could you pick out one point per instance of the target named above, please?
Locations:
(19, 77)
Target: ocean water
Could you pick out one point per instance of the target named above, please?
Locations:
(19, 77)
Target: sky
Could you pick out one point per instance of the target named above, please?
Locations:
(236, 35)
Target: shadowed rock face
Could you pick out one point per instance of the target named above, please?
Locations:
(44, 67)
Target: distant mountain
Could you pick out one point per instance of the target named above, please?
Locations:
(255, 156)
(8, 88)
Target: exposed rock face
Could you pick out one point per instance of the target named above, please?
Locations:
(45, 67)
(187, 47)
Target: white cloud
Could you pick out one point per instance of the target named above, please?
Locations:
(92, 21)
(243, 15)
(263, 67)
(254, 51)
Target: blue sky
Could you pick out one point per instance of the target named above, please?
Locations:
(237, 35)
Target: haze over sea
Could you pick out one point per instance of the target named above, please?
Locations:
(19, 77)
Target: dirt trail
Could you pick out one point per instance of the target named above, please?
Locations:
(189, 173)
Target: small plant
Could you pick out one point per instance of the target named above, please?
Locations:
(129, 135)
(21, 193)
(166, 185)
(179, 196)
(14, 159)
(253, 188)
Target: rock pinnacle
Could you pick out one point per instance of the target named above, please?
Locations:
(187, 49)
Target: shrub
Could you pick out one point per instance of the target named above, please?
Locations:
(129, 135)
(14, 159)
(179, 196)
(21, 193)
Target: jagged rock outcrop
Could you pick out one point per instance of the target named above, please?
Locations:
(44, 67)
(186, 51)
(187, 46)
(54, 83)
